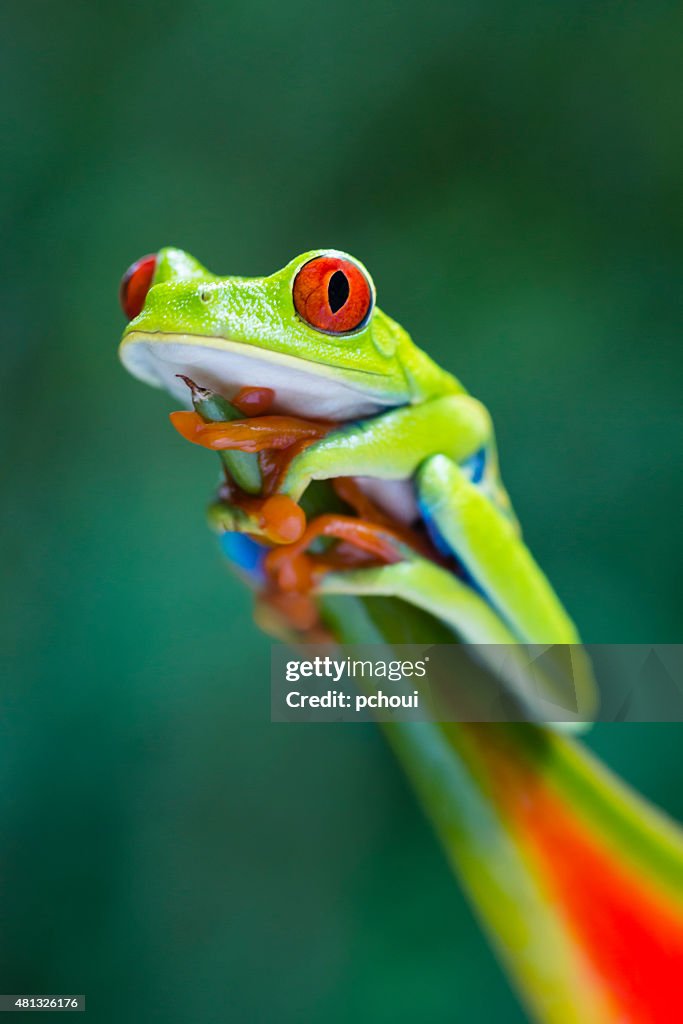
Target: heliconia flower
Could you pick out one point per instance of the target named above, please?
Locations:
(578, 880)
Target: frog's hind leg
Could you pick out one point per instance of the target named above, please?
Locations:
(486, 541)
(396, 569)
(506, 599)
(428, 586)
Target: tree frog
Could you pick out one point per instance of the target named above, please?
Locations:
(348, 397)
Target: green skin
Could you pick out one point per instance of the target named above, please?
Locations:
(401, 418)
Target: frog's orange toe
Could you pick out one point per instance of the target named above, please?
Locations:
(187, 424)
(282, 519)
(254, 435)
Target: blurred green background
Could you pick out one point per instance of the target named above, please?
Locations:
(511, 175)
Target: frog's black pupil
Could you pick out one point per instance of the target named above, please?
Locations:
(337, 290)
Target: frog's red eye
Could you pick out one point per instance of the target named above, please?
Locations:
(332, 294)
(135, 284)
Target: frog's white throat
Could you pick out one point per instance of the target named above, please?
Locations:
(301, 388)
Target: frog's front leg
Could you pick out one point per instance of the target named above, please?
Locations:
(393, 445)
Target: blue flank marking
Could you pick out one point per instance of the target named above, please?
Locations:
(244, 552)
(475, 466)
(435, 535)
(444, 548)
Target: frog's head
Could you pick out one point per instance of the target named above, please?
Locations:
(312, 332)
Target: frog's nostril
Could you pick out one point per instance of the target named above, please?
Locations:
(135, 284)
(204, 295)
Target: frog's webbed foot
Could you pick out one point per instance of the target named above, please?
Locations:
(298, 567)
(248, 435)
(277, 440)
(361, 536)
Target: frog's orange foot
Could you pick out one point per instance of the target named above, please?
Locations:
(276, 439)
(293, 569)
(258, 434)
(288, 605)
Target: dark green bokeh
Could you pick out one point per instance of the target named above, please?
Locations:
(511, 177)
